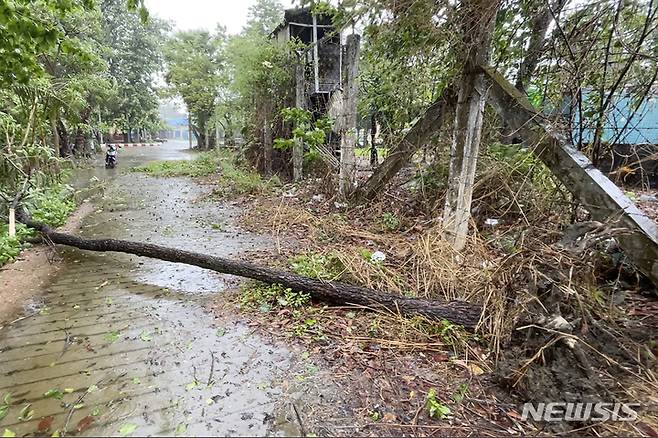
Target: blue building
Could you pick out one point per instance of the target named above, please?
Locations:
(631, 130)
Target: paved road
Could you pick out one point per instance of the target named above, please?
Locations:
(119, 344)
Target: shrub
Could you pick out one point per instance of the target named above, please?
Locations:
(267, 296)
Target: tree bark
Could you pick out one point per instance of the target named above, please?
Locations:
(457, 312)
(55, 133)
(401, 154)
(374, 158)
(64, 146)
(477, 25)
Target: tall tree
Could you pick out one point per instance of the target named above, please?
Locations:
(264, 16)
(133, 52)
(194, 63)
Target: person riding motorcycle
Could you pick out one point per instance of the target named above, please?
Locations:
(111, 156)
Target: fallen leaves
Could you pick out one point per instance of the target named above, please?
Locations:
(112, 336)
(471, 366)
(181, 429)
(45, 424)
(84, 423)
(54, 393)
(26, 413)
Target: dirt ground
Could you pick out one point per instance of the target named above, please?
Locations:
(26, 277)
(394, 370)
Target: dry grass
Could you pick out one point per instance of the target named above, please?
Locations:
(515, 270)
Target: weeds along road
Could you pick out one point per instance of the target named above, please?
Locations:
(120, 345)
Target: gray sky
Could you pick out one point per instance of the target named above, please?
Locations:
(204, 14)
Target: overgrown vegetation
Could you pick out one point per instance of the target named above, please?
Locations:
(235, 180)
(51, 205)
(229, 178)
(204, 164)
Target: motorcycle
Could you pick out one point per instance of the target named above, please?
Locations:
(111, 157)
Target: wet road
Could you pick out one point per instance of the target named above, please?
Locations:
(120, 345)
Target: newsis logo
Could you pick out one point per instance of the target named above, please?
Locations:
(595, 412)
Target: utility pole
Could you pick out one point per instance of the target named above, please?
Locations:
(348, 123)
(316, 54)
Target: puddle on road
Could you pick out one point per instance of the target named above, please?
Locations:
(123, 344)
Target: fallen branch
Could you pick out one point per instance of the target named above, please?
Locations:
(457, 312)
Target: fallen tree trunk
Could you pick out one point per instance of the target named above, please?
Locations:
(419, 134)
(457, 312)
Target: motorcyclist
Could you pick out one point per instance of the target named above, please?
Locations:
(111, 155)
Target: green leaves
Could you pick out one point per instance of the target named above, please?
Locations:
(112, 336)
(26, 413)
(194, 66)
(434, 407)
(310, 133)
(54, 393)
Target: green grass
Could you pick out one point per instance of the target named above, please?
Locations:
(203, 165)
(233, 180)
(238, 181)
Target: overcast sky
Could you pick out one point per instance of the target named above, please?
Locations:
(204, 14)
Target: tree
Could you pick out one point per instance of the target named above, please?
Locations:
(194, 63)
(29, 28)
(133, 52)
(262, 79)
(264, 16)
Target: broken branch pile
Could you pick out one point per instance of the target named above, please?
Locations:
(457, 312)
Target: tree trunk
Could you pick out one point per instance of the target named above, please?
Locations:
(347, 173)
(79, 143)
(228, 131)
(64, 146)
(540, 23)
(458, 312)
(55, 133)
(401, 154)
(477, 23)
(372, 132)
